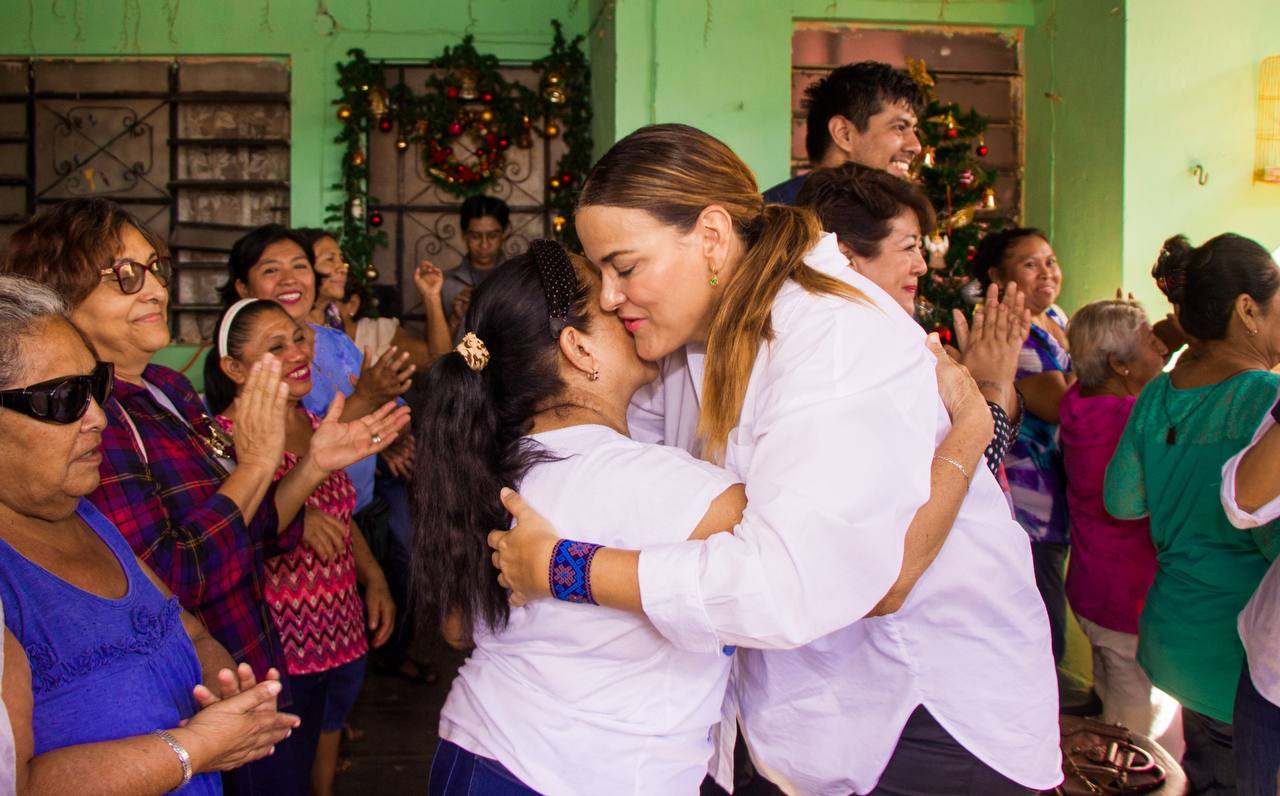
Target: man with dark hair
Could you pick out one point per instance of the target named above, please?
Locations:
(863, 113)
(484, 223)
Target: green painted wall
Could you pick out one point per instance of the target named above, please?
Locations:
(1191, 97)
(297, 29)
(1075, 61)
(725, 66)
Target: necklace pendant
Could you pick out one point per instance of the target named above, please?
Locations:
(1171, 436)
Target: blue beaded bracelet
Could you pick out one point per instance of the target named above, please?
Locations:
(570, 571)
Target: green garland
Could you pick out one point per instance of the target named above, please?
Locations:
(466, 120)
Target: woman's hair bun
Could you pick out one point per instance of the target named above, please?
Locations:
(1170, 270)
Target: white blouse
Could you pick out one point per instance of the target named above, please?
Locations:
(1259, 622)
(577, 699)
(835, 441)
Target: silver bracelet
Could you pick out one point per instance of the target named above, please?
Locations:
(183, 757)
(955, 464)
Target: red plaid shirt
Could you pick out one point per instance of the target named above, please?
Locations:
(167, 506)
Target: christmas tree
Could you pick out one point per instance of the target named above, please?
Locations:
(951, 173)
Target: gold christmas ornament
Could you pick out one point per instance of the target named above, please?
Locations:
(344, 112)
(558, 222)
(467, 88)
(364, 86)
(929, 159)
(552, 130)
(553, 88)
(961, 218)
(402, 144)
(370, 273)
(357, 158)
(989, 199)
(379, 103)
(486, 116)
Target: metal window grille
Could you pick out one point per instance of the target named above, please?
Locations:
(198, 148)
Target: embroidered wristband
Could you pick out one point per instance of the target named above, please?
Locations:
(569, 573)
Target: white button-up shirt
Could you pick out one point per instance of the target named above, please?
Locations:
(1259, 622)
(834, 444)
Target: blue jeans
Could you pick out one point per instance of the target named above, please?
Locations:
(457, 772)
(1257, 740)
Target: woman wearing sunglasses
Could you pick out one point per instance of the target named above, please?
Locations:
(204, 524)
(159, 726)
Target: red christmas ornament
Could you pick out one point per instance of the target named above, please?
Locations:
(454, 128)
(384, 124)
(451, 92)
(487, 96)
(481, 152)
(566, 178)
(944, 334)
(491, 139)
(375, 219)
(953, 132)
(439, 155)
(982, 150)
(503, 143)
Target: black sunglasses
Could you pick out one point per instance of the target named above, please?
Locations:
(63, 400)
(131, 274)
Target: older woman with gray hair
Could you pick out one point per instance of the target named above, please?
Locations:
(119, 686)
(1113, 561)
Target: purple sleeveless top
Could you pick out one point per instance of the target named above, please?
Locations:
(101, 669)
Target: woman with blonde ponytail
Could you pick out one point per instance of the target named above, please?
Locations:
(815, 389)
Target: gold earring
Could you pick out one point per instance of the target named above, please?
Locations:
(715, 273)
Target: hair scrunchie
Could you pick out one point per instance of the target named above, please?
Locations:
(473, 350)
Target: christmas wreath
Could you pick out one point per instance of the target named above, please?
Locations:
(466, 120)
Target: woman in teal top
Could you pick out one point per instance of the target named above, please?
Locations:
(1168, 466)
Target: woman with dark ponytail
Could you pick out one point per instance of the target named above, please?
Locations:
(1169, 468)
(816, 390)
(557, 698)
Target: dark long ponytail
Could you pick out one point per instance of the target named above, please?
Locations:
(471, 430)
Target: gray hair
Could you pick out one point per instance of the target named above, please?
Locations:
(23, 304)
(1101, 330)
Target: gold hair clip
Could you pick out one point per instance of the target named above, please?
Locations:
(473, 350)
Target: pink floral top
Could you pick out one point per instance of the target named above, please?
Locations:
(315, 604)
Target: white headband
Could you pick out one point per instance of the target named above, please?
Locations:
(224, 328)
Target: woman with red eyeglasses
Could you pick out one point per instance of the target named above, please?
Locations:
(202, 523)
